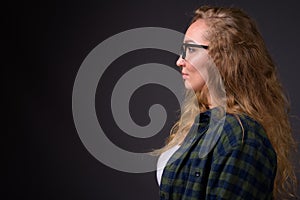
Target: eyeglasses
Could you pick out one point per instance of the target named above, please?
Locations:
(191, 49)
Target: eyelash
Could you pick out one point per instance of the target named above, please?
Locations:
(191, 49)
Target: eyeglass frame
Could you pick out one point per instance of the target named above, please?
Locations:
(186, 45)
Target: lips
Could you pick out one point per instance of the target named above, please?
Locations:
(184, 75)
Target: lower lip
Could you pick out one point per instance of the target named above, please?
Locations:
(185, 76)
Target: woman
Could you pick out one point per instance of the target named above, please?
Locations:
(233, 139)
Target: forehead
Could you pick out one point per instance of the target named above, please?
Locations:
(196, 32)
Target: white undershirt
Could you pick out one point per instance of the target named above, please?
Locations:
(162, 161)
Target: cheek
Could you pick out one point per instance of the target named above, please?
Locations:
(195, 80)
(198, 82)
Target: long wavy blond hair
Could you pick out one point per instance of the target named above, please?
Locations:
(252, 87)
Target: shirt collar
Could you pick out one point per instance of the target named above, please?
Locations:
(214, 114)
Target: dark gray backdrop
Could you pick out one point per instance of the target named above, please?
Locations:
(53, 38)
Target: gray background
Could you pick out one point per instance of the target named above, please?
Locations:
(53, 38)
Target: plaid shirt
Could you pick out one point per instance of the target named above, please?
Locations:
(237, 162)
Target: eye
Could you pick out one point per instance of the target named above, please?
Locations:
(191, 49)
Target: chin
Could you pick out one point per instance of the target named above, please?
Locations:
(187, 85)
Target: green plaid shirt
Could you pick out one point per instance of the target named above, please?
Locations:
(227, 161)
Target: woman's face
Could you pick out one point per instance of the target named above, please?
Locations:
(192, 66)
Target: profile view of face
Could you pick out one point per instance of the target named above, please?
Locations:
(193, 62)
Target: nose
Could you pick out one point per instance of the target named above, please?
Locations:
(180, 62)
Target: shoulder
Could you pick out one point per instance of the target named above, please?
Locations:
(238, 129)
(243, 132)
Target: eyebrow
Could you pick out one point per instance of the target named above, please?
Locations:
(190, 41)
